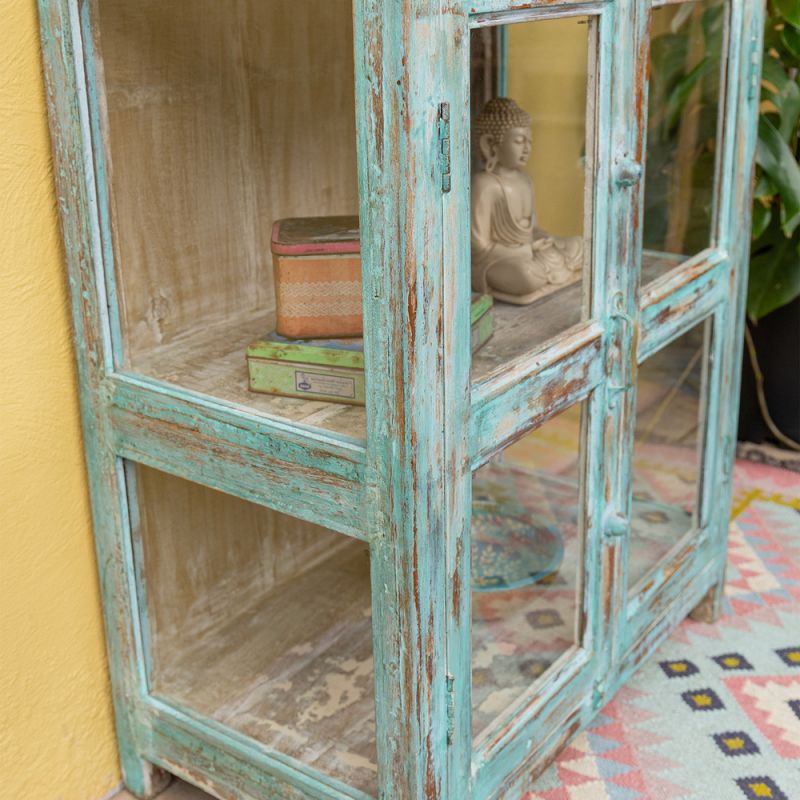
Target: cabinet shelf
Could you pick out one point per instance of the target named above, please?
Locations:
(211, 361)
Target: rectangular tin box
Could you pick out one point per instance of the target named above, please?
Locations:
(317, 269)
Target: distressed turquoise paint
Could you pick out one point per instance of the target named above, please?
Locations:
(458, 410)
(681, 304)
(266, 462)
(69, 127)
(498, 8)
(746, 45)
(503, 409)
(407, 490)
(405, 70)
(108, 280)
(207, 752)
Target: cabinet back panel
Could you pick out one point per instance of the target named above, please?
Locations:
(203, 550)
(219, 118)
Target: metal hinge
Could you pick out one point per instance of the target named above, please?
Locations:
(451, 709)
(444, 145)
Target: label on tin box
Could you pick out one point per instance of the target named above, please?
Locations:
(318, 383)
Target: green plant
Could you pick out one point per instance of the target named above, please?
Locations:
(682, 144)
(775, 250)
(682, 153)
(682, 127)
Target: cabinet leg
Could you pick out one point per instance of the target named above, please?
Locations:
(709, 608)
(143, 779)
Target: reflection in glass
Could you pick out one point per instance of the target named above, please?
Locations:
(527, 558)
(229, 589)
(666, 454)
(682, 136)
(531, 153)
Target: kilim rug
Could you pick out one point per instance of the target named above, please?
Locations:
(715, 713)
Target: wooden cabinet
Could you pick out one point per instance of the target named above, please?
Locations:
(428, 596)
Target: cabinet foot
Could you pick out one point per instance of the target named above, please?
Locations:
(709, 608)
(143, 779)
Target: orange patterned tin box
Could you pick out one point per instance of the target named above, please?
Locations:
(317, 265)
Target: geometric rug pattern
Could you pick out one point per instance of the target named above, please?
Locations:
(715, 713)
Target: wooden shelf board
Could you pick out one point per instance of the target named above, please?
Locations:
(211, 360)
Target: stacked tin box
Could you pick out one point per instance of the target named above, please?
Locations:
(316, 351)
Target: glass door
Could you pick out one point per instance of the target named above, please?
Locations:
(551, 263)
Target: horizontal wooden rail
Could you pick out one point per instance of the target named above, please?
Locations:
(514, 750)
(533, 389)
(272, 463)
(680, 300)
(229, 764)
(493, 12)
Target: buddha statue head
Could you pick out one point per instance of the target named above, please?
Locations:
(503, 133)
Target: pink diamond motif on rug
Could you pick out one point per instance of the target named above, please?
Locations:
(766, 701)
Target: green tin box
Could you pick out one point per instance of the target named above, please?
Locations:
(331, 369)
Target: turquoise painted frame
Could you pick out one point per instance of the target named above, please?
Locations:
(405, 488)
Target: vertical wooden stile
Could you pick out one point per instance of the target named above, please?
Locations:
(71, 134)
(741, 117)
(416, 380)
(621, 317)
(456, 251)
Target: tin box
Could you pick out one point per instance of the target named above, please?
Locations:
(317, 268)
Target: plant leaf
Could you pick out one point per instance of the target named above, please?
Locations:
(777, 160)
(790, 10)
(679, 96)
(786, 95)
(790, 36)
(774, 277)
(761, 218)
(683, 14)
(764, 187)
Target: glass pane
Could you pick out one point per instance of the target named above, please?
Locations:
(229, 589)
(686, 60)
(531, 162)
(527, 563)
(666, 454)
(230, 135)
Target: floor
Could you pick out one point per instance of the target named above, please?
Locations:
(177, 790)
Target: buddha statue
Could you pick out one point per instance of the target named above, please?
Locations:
(513, 259)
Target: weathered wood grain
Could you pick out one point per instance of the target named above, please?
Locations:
(290, 470)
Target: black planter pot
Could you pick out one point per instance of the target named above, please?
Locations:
(777, 343)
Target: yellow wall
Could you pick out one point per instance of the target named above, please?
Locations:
(56, 730)
(547, 76)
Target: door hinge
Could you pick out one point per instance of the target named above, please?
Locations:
(444, 145)
(451, 708)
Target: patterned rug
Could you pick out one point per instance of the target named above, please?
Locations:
(715, 714)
